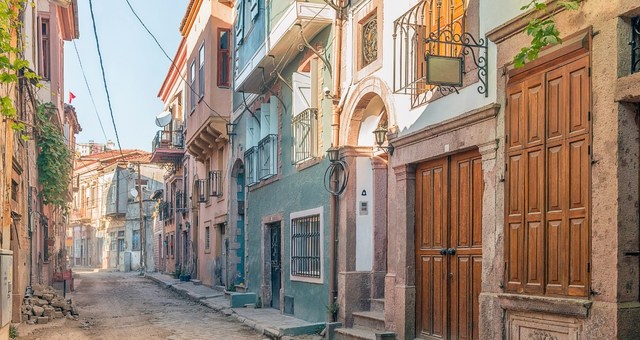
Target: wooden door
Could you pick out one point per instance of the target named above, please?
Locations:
(449, 246)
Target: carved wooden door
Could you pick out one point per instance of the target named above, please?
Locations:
(449, 246)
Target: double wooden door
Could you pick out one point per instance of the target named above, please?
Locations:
(449, 246)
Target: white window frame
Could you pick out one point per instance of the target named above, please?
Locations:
(201, 81)
(307, 213)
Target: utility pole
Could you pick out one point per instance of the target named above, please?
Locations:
(142, 231)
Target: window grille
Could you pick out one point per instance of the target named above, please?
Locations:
(215, 183)
(201, 190)
(251, 160)
(267, 156)
(635, 45)
(180, 201)
(207, 237)
(305, 135)
(305, 247)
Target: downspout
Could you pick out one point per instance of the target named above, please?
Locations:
(335, 142)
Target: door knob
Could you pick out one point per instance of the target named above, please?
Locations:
(443, 251)
(451, 251)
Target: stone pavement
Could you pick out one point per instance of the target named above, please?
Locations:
(267, 321)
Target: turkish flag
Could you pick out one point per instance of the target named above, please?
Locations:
(71, 96)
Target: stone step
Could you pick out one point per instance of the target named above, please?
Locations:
(373, 320)
(196, 282)
(377, 305)
(362, 334)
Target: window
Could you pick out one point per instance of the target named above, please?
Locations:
(166, 246)
(192, 93)
(304, 124)
(215, 183)
(306, 245)
(45, 49)
(548, 181)
(14, 190)
(251, 160)
(207, 238)
(135, 240)
(224, 65)
(172, 245)
(201, 81)
(201, 190)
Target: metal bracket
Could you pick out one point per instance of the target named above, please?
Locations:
(316, 52)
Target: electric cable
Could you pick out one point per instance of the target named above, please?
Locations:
(86, 82)
(342, 169)
(104, 77)
(173, 64)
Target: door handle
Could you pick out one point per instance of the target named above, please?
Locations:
(443, 251)
(451, 251)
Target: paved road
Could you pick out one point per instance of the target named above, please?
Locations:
(125, 306)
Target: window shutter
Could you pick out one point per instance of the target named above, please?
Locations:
(301, 92)
(265, 122)
(255, 9)
(273, 117)
(239, 28)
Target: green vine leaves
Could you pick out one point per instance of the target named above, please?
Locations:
(54, 158)
(543, 32)
(12, 65)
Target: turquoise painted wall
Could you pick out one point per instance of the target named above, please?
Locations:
(294, 191)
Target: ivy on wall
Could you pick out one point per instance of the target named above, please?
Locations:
(54, 157)
(543, 31)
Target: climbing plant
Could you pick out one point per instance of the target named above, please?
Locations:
(54, 157)
(542, 29)
(13, 66)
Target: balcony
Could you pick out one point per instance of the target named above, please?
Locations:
(251, 161)
(283, 32)
(267, 156)
(304, 128)
(167, 147)
(215, 183)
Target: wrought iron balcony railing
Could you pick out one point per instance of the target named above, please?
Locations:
(215, 183)
(165, 139)
(304, 135)
(251, 164)
(635, 44)
(201, 191)
(267, 156)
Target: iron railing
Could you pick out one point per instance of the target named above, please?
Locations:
(635, 44)
(166, 139)
(181, 201)
(215, 183)
(251, 164)
(267, 156)
(305, 135)
(200, 192)
(306, 246)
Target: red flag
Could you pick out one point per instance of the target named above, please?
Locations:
(71, 96)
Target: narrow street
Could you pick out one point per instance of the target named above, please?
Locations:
(126, 306)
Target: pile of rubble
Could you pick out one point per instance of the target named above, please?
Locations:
(45, 304)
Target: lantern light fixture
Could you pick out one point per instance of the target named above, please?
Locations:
(333, 154)
(381, 135)
(231, 129)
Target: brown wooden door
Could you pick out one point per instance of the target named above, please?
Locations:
(449, 246)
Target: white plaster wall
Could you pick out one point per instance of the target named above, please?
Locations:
(364, 223)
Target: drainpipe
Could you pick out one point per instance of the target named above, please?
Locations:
(335, 142)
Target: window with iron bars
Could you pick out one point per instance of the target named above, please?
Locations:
(201, 191)
(305, 135)
(215, 183)
(267, 156)
(306, 247)
(181, 201)
(251, 162)
(635, 44)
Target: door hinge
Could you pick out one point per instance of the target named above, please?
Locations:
(506, 166)
(589, 71)
(588, 267)
(589, 116)
(589, 149)
(506, 101)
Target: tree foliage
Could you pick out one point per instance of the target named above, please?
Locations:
(54, 157)
(542, 29)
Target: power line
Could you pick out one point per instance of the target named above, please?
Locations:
(104, 78)
(90, 93)
(172, 62)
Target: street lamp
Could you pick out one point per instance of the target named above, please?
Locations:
(231, 129)
(381, 135)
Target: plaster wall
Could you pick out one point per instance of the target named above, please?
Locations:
(364, 215)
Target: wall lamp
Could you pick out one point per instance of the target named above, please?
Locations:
(333, 154)
(381, 136)
(231, 129)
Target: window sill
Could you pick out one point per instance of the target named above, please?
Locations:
(207, 251)
(308, 163)
(575, 307)
(264, 182)
(306, 279)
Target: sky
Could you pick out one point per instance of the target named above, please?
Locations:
(134, 65)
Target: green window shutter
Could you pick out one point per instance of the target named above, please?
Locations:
(239, 28)
(255, 9)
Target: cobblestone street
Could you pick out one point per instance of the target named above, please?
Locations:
(126, 306)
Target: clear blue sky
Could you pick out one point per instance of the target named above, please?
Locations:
(134, 65)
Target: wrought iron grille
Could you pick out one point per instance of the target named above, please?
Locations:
(181, 201)
(251, 163)
(370, 41)
(215, 183)
(305, 246)
(635, 44)
(170, 210)
(267, 156)
(439, 28)
(305, 135)
(201, 190)
(166, 139)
